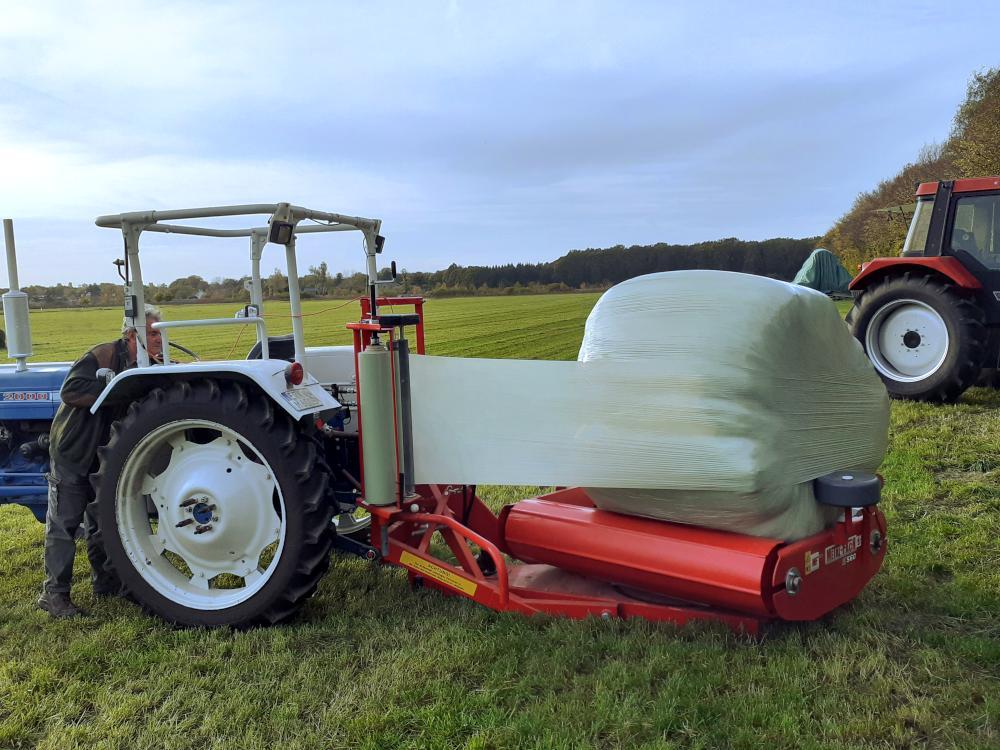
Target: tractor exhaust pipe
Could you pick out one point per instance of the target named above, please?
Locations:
(15, 307)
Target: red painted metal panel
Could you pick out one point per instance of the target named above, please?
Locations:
(944, 264)
(729, 578)
(556, 591)
(834, 566)
(970, 185)
(418, 308)
(687, 562)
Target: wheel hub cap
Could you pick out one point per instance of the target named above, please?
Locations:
(907, 340)
(203, 512)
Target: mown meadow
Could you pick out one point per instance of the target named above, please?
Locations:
(913, 662)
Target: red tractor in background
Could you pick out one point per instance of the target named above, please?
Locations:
(929, 320)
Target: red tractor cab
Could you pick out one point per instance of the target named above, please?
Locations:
(929, 320)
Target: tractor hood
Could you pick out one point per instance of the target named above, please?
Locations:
(33, 393)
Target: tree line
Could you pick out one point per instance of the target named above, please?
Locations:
(593, 268)
(599, 268)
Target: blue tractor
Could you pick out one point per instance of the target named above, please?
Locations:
(30, 399)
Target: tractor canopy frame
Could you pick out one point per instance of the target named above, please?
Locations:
(283, 224)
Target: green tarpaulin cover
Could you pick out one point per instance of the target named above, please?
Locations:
(823, 272)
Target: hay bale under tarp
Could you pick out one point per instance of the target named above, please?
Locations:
(823, 271)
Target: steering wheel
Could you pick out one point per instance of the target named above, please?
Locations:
(964, 240)
(187, 351)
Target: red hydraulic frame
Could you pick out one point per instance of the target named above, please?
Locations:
(572, 552)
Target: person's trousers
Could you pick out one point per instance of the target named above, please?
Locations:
(71, 503)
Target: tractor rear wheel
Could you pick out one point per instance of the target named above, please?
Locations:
(926, 340)
(989, 377)
(212, 506)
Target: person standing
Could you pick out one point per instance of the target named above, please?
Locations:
(74, 438)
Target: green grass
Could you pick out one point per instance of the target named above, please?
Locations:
(914, 662)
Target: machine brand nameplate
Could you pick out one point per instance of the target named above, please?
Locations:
(438, 573)
(28, 396)
(846, 552)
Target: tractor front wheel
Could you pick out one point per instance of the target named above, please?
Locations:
(926, 340)
(212, 506)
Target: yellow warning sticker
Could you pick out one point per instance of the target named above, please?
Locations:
(438, 573)
(812, 562)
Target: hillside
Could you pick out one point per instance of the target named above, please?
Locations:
(972, 149)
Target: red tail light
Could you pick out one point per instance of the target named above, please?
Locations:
(294, 373)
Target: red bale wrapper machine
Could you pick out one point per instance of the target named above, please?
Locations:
(226, 483)
(558, 554)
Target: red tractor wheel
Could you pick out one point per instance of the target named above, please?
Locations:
(926, 340)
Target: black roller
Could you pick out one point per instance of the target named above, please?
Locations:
(848, 489)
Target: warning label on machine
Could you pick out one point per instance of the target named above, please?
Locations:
(429, 569)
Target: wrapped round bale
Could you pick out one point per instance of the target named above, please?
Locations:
(769, 390)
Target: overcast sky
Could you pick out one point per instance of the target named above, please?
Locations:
(480, 133)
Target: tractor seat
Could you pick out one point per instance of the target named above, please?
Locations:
(278, 347)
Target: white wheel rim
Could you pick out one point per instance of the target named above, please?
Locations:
(215, 506)
(907, 340)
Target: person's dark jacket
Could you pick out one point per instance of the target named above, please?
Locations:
(76, 433)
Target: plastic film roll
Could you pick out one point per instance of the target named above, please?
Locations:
(378, 439)
(15, 313)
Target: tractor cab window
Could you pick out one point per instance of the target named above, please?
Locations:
(916, 237)
(976, 228)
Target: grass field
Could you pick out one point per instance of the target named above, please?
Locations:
(914, 662)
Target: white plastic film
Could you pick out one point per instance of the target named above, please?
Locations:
(703, 397)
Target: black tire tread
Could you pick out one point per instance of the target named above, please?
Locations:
(299, 454)
(970, 320)
(989, 377)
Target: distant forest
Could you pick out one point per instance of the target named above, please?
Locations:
(577, 270)
(600, 268)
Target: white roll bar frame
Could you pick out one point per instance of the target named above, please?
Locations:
(133, 224)
(163, 325)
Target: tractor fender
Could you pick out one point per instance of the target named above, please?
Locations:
(268, 375)
(945, 265)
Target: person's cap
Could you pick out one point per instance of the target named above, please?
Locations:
(152, 311)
